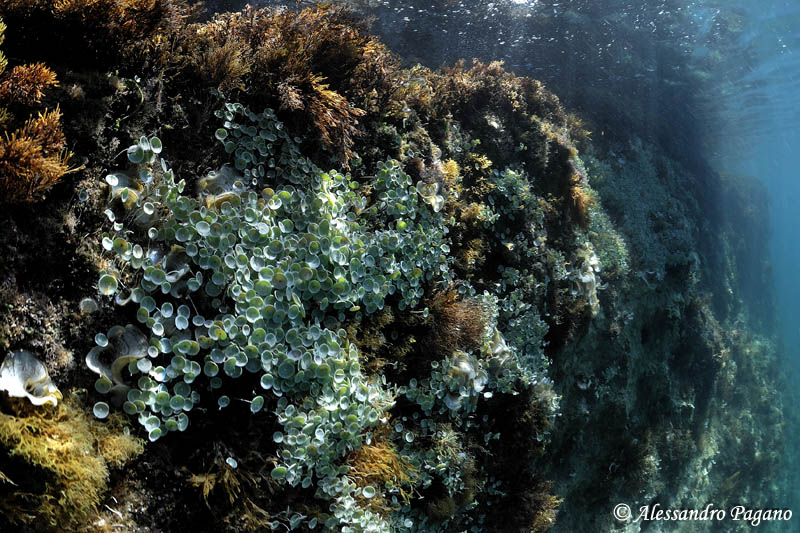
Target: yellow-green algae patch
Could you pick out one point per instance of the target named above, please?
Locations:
(56, 469)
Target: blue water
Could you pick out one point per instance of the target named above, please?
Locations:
(762, 104)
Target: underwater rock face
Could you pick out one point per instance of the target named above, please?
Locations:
(23, 376)
(449, 301)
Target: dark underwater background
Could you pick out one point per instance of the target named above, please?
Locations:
(672, 383)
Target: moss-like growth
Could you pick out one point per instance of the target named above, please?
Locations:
(58, 461)
(378, 464)
(232, 487)
(452, 173)
(85, 32)
(314, 65)
(32, 154)
(458, 323)
(370, 336)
